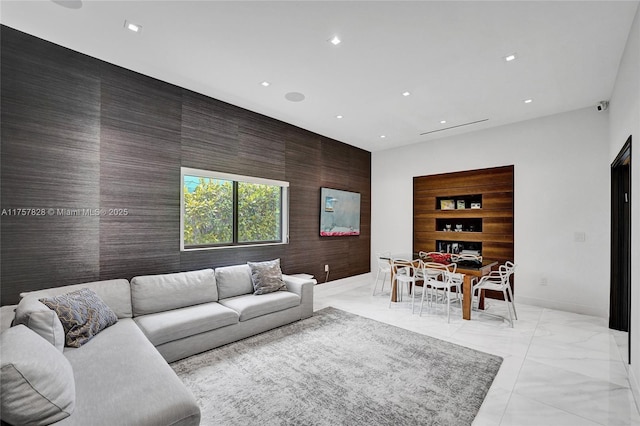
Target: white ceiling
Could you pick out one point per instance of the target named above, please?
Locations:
(448, 54)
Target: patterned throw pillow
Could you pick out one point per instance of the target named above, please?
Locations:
(266, 276)
(82, 314)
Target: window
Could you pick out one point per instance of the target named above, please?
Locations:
(223, 210)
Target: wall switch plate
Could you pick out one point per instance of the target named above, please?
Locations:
(579, 237)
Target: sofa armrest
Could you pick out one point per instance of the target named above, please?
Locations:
(303, 287)
(7, 314)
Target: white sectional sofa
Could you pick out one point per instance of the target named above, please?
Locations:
(121, 376)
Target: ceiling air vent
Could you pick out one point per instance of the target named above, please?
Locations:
(453, 127)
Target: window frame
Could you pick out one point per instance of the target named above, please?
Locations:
(209, 174)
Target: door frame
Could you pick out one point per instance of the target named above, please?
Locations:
(620, 278)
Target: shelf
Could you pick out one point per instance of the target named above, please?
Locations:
(465, 224)
(458, 202)
(447, 246)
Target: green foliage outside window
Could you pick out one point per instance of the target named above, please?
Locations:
(258, 212)
(209, 212)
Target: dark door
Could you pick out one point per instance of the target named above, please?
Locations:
(620, 298)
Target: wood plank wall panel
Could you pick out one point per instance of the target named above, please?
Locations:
(78, 132)
(496, 187)
(50, 161)
(139, 171)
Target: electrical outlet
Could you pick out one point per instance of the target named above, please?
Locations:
(326, 268)
(543, 281)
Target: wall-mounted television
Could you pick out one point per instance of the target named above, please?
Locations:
(339, 213)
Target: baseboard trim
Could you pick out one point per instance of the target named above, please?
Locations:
(355, 279)
(635, 387)
(563, 306)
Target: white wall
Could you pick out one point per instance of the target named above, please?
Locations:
(625, 121)
(562, 187)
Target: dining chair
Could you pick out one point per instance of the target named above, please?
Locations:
(499, 281)
(384, 268)
(405, 272)
(438, 277)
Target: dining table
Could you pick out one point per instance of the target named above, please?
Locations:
(470, 274)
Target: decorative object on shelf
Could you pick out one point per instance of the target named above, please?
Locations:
(447, 205)
(459, 227)
(476, 205)
(460, 204)
(447, 227)
(339, 213)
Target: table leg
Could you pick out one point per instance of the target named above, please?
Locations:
(467, 297)
(394, 286)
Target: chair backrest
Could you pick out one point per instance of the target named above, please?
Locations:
(404, 266)
(465, 256)
(384, 260)
(434, 271)
(507, 270)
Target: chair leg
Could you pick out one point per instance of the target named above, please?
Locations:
(513, 302)
(375, 283)
(413, 295)
(422, 299)
(448, 294)
(504, 292)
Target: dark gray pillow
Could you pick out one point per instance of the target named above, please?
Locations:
(266, 276)
(83, 315)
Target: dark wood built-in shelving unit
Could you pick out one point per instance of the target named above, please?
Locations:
(488, 227)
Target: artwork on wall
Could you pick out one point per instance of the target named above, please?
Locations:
(339, 213)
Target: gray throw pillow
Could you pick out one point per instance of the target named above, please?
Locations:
(82, 314)
(266, 276)
(37, 386)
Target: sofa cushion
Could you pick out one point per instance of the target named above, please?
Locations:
(157, 293)
(39, 318)
(125, 381)
(252, 306)
(163, 327)
(115, 293)
(266, 276)
(37, 384)
(82, 314)
(234, 281)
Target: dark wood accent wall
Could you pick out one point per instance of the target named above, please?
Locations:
(79, 133)
(495, 185)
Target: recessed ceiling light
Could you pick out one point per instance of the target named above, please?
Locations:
(443, 121)
(132, 27)
(510, 57)
(265, 84)
(406, 93)
(339, 117)
(528, 101)
(335, 40)
(382, 136)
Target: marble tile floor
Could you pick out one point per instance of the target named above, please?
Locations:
(559, 368)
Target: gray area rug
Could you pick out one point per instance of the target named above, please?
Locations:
(338, 368)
